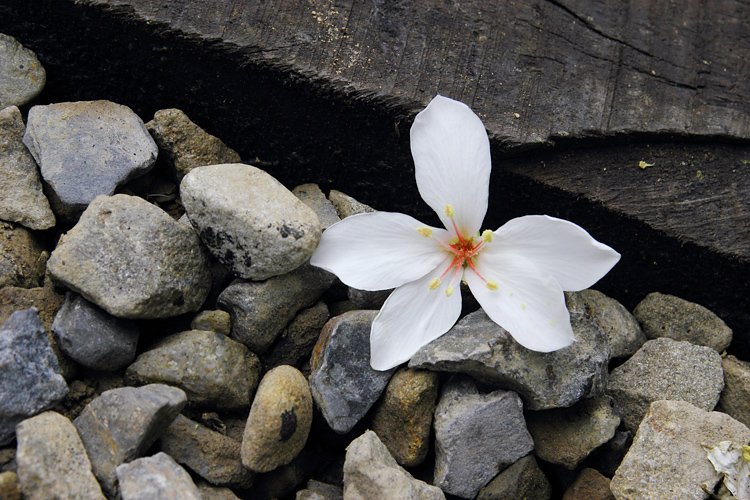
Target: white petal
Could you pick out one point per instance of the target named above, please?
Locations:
(528, 304)
(558, 248)
(413, 316)
(379, 250)
(452, 162)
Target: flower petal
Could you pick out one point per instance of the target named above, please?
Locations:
(413, 316)
(379, 250)
(558, 248)
(527, 303)
(452, 162)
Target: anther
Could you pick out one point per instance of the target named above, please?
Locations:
(449, 210)
(434, 284)
(487, 235)
(492, 285)
(425, 231)
(449, 291)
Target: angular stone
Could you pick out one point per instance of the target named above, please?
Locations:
(121, 424)
(371, 472)
(31, 381)
(211, 492)
(479, 347)
(662, 315)
(92, 337)
(589, 485)
(621, 328)
(279, 420)
(158, 476)
(213, 370)
(52, 462)
(476, 436)
(86, 149)
(248, 220)
(566, 436)
(261, 310)
(343, 354)
(296, 341)
(185, 145)
(21, 196)
(667, 458)
(211, 455)
(345, 205)
(22, 77)
(214, 321)
(735, 398)
(523, 479)
(10, 489)
(22, 258)
(665, 369)
(317, 490)
(132, 259)
(403, 417)
(313, 197)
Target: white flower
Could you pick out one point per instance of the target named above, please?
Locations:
(517, 273)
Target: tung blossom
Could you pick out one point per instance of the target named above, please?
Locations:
(517, 273)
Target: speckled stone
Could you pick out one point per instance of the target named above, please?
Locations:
(158, 476)
(52, 462)
(22, 258)
(524, 479)
(279, 420)
(132, 259)
(213, 370)
(735, 398)
(313, 197)
(403, 417)
(214, 321)
(663, 315)
(21, 196)
(345, 205)
(185, 145)
(589, 485)
(22, 77)
(665, 369)
(667, 458)
(566, 436)
(249, 221)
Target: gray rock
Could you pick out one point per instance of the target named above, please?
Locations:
(523, 479)
(121, 424)
(22, 77)
(213, 456)
(667, 459)
(476, 436)
(297, 340)
(621, 328)
(589, 485)
(566, 436)
(10, 489)
(86, 149)
(360, 299)
(31, 381)
(211, 492)
(21, 196)
(212, 369)
(317, 490)
(345, 205)
(279, 420)
(22, 259)
(132, 259)
(665, 369)
(185, 145)
(403, 417)
(52, 462)
(735, 398)
(371, 472)
(261, 310)
(342, 382)
(663, 315)
(479, 347)
(92, 337)
(156, 477)
(248, 220)
(313, 197)
(214, 321)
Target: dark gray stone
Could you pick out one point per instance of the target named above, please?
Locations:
(523, 479)
(121, 424)
(313, 197)
(92, 337)
(86, 149)
(476, 436)
(213, 370)
(132, 259)
(296, 341)
(479, 347)
(22, 77)
(31, 380)
(261, 310)
(21, 196)
(342, 382)
(155, 477)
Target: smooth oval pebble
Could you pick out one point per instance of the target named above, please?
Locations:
(279, 421)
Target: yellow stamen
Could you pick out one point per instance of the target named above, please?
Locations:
(487, 235)
(434, 284)
(492, 285)
(453, 241)
(523, 307)
(425, 231)
(449, 210)
(449, 291)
